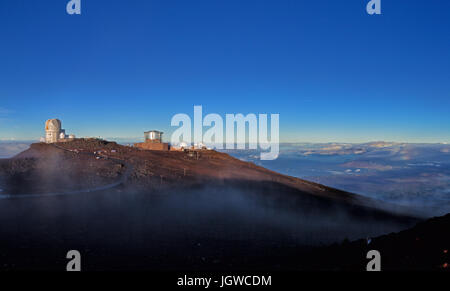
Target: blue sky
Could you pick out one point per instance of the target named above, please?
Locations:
(332, 72)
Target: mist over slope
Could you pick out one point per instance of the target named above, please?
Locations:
(9, 149)
(167, 210)
(423, 247)
(413, 175)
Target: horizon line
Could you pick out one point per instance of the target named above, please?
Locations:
(130, 139)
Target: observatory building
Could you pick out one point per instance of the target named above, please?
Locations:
(153, 136)
(153, 141)
(54, 132)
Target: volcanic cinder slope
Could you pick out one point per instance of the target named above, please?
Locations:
(205, 211)
(90, 163)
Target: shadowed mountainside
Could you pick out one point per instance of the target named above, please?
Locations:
(90, 162)
(170, 210)
(426, 246)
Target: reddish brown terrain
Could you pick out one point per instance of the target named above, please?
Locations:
(85, 163)
(45, 168)
(159, 210)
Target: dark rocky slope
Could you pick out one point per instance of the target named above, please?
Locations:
(170, 210)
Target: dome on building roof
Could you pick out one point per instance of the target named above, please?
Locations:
(53, 125)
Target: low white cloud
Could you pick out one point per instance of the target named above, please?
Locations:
(10, 148)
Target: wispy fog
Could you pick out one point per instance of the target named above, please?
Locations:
(183, 228)
(412, 175)
(9, 149)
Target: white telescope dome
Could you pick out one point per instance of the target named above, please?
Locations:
(52, 130)
(53, 125)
